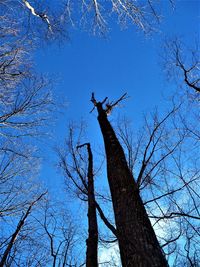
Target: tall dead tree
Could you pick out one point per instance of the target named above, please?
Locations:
(79, 171)
(92, 240)
(137, 241)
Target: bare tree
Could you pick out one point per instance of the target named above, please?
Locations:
(92, 241)
(164, 159)
(165, 169)
(25, 102)
(38, 20)
(183, 62)
(79, 172)
(96, 14)
(137, 241)
(24, 95)
(47, 21)
(17, 231)
(60, 234)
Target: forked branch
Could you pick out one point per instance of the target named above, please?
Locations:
(108, 105)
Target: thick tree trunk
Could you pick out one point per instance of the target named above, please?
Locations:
(92, 241)
(138, 244)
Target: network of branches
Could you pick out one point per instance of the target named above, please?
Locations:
(163, 156)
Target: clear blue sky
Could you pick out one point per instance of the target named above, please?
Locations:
(126, 61)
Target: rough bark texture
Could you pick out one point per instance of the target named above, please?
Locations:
(138, 244)
(92, 241)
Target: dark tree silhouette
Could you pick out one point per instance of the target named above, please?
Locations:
(137, 241)
(79, 171)
(183, 62)
(92, 241)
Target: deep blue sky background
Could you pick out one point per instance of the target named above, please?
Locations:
(125, 61)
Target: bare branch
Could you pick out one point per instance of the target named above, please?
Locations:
(43, 16)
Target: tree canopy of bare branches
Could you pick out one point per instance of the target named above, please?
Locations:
(49, 21)
(184, 62)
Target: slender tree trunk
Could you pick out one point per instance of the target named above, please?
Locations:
(17, 231)
(92, 241)
(138, 244)
(13, 238)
